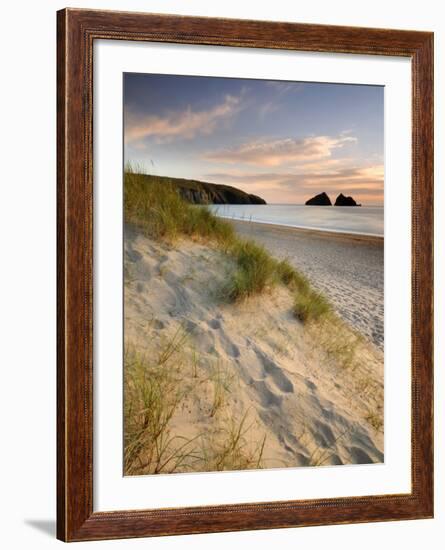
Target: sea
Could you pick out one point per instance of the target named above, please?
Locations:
(363, 220)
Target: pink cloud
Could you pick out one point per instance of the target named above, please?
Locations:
(282, 151)
(178, 125)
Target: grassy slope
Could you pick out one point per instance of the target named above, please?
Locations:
(157, 208)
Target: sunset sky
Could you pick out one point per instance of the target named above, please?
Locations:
(283, 141)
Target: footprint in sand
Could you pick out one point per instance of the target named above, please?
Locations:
(161, 267)
(277, 375)
(361, 441)
(298, 458)
(206, 341)
(332, 460)
(190, 326)
(310, 385)
(133, 255)
(267, 397)
(232, 349)
(324, 434)
(140, 288)
(358, 456)
(158, 324)
(229, 347)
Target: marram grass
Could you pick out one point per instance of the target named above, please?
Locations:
(155, 206)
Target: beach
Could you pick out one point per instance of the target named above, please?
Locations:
(253, 274)
(347, 268)
(252, 385)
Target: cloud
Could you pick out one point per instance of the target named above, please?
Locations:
(268, 108)
(178, 125)
(359, 177)
(277, 91)
(365, 183)
(281, 151)
(282, 87)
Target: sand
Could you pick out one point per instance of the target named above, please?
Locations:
(303, 403)
(347, 268)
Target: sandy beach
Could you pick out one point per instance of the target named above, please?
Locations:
(347, 268)
(250, 372)
(250, 343)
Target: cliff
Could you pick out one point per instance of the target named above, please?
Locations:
(201, 192)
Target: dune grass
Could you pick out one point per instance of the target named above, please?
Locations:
(227, 447)
(310, 306)
(152, 395)
(156, 207)
(158, 388)
(255, 270)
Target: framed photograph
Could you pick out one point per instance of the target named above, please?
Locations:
(245, 230)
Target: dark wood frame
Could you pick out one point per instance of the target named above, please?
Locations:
(77, 30)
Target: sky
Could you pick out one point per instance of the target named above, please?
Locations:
(284, 141)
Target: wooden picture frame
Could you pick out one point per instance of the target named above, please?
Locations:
(76, 32)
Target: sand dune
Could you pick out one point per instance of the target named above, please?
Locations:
(310, 408)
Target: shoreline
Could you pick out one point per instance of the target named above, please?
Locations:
(326, 233)
(346, 268)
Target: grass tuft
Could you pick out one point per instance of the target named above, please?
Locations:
(152, 396)
(310, 306)
(228, 447)
(254, 273)
(291, 277)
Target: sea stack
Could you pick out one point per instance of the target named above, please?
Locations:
(319, 200)
(341, 200)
